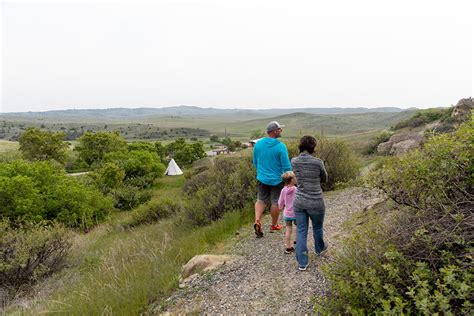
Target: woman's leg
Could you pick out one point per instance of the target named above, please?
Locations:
(302, 236)
(288, 234)
(317, 218)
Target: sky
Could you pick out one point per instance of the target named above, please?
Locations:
(234, 54)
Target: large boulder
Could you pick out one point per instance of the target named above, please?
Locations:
(401, 143)
(462, 110)
(201, 263)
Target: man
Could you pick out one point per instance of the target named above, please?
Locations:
(270, 158)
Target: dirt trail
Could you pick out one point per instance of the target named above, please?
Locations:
(264, 279)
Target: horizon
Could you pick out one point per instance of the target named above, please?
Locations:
(246, 54)
(216, 108)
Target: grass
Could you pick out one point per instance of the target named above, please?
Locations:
(8, 146)
(120, 271)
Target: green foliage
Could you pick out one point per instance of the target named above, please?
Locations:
(125, 175)
(231, 145)
(36, 144)
(31, 251)
(41, 191)
(383, 137)
(185, 153)
(342, 165)
(108, 176)
(128, 196)
(416, 258)
(423, 117)
(156, 210)
(214, 138)
(227, 186)
(93, 147)
(142, 146)
(138, 164)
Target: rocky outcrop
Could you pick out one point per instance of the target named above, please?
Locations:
(462, 110)
(401, 143)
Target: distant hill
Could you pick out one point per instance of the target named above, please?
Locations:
(185, 112)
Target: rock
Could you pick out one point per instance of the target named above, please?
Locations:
(462, 110)
(202, 263)
(384, 148)
(401, 143)
(404, 146)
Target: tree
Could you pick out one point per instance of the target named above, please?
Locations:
(184, 153)
(214, 138)
(36, 144)
(42, 191)
(93, 146)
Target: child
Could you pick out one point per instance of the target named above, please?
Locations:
(285, 202)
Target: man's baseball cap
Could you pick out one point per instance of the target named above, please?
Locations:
(273, 126)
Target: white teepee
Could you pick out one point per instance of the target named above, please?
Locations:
(173, 169)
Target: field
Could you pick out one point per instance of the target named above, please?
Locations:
(115, 270)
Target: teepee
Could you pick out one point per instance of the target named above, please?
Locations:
(173, 169)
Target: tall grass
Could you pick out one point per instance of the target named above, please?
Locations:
(125, 271)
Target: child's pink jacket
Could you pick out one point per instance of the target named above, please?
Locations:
(285, 201)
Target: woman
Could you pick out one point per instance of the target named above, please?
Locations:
(308, 203)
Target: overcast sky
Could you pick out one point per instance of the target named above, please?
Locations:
(235, 54)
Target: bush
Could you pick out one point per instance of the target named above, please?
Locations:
(31, 251)
(423, 117)
(417, 258)
(93, 147)
(383, 137)
(42, 191)
(155, 210)
(227, 186)
(127, 197)
(43, 145)
(141, 167)
(342, 165)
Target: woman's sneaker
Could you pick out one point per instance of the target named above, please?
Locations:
(303, 268)
(289, 250)
(322, 251)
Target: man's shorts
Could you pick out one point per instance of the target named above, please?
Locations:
(267, 193)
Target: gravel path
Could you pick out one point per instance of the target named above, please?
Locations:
(263, 279)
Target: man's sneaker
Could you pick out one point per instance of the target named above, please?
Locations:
(275, 227)
(303, 268)
(289, 250)
(258, 230)
(322, 251)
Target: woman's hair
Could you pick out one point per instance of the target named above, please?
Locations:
(307, 143)
(287, 176)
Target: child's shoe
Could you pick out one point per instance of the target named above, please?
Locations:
(289, 250)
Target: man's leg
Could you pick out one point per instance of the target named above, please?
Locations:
(275, 213)
(259, 208)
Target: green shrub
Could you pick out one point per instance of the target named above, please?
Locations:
(36, 144)
(127, 197)
(383, 137)
(42, 191)
(227, 186)
(155, 210)
(342, 165)
(141, 167)
(31, 251)
(93, 147)
(423, 117)
(416, 258)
